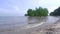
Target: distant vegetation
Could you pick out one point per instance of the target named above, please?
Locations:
(37, 12)
(56, 12)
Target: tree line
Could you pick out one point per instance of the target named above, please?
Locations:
(42, 12)
(37, 12)
(56, 12)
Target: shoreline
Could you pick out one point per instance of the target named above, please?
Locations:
(31, 29)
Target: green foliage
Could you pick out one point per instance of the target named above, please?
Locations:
(30, 12)
(37, 12)
(56, 12)
(45, 13)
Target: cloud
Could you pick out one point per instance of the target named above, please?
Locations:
(16, 8)
(9, 7)
(19, 7)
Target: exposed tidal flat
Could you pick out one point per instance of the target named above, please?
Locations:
(26, 25)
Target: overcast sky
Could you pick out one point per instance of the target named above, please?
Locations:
(19, 7)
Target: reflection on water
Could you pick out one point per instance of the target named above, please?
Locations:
(22, 21)
(32, 20)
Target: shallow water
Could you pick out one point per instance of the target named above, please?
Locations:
(15, 25)
(12, 21)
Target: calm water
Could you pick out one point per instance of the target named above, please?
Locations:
(6, 22)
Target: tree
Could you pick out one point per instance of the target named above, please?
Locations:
(45, 13)
(56, 12)
(37, 12)
(51, 13)
(26, 14)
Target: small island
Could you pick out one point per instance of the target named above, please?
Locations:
(37, 12)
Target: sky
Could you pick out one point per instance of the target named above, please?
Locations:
(20, 7)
